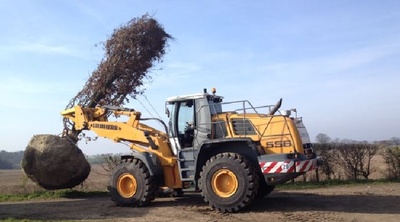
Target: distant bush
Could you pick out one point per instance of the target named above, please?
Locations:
(356, 159)
(349, 157)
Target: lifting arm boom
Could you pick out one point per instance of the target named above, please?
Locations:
(142, 138)
(139, 134)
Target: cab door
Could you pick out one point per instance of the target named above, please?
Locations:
(202, 130)
(182, 125)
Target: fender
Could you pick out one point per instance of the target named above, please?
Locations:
(152, 163)
(243, 146)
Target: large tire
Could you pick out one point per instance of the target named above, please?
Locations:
(228, 182)
(131, 184)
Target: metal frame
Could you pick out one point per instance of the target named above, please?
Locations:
(219, 122)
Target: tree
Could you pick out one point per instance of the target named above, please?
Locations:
(130, 53)
(356, 159)
(322, 138)
(328, 155)
(10, 160)
(392, 159)
(4, 164)
(395, 141)
(336, 140)
(348, 141)
(108, 161)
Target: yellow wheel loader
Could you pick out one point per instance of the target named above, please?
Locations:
(231, 152)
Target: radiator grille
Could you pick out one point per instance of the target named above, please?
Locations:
(243, 127)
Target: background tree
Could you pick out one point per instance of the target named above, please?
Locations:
(395, 141)
(108, 161)
(392, 159)
(322, 138)
(348, 141)
(356, 158)
(324, 150)
(10, 160)
(4, 164)
(328, 155)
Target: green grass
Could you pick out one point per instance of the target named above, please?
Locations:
(330, 183)
(11, 219)
(50, 195)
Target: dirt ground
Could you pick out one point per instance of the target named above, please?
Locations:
(346, 203)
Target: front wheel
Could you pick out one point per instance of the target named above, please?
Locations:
(131, 184)
(228, 182)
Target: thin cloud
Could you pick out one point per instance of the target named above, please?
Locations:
(42, 48)
(18, 92)
(174, 74)
(21, 85)
(184, 67)
(336, 63)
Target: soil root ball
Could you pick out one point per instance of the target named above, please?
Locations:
(54, 162)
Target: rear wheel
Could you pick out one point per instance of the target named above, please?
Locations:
(131, 184)
(228, 182)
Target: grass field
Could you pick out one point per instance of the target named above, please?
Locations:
(15, 182)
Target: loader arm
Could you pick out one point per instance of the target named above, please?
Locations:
(141, 137)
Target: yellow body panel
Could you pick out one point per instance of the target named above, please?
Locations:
(276, 134)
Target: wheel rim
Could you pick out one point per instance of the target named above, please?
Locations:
(126, 185)
(224, 183)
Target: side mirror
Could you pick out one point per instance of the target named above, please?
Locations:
(217, 100)
(167, 112)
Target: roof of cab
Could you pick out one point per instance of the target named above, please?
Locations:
(191, 96)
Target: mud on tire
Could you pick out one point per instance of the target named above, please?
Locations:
(145, 184)
(246, 188)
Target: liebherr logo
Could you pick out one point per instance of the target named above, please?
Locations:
(105, 126)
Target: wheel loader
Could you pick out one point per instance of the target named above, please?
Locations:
(231, 155)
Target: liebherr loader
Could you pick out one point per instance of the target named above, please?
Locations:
(229, 156)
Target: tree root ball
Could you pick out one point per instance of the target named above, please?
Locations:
(54, 162)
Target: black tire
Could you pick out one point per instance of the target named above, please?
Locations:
(247, 182)
(145, 184)
(178, 193)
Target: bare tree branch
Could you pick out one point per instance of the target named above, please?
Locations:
(108, 161)
(130, 53)
(356, 158)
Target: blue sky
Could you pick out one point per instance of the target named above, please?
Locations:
(337, 62)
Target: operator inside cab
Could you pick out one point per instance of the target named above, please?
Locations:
(186, 123)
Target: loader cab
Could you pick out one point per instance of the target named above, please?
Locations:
(190, 119)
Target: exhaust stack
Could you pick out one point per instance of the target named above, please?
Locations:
(276, 107)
